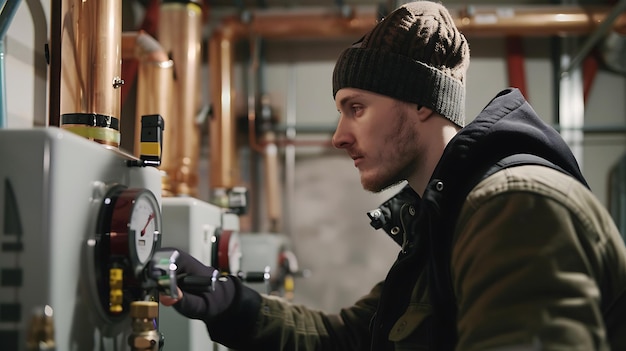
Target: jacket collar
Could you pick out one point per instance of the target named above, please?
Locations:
(508, 125)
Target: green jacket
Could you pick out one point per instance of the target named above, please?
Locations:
(532, 259)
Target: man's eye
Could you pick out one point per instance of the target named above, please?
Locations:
(356, 109)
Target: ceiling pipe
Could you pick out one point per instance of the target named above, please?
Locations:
(494, 21)
(299, 24)
(535, 20)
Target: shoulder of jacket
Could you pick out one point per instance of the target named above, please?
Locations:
(530, 178)
(546, 183)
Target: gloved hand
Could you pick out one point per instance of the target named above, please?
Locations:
(201, 302)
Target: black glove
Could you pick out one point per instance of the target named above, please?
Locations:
(203, 298)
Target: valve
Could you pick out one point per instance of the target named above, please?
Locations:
(144, 336)
(161, 274)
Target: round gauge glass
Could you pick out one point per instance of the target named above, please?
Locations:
(228, 252)
(144, 225)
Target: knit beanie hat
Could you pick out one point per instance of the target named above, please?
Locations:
(415, 54)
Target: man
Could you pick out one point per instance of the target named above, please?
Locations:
(496, 253)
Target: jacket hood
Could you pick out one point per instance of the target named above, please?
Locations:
(508, 125)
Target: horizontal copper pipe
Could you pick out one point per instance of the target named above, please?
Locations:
(292, 24)
(534, 20)
(471, 20)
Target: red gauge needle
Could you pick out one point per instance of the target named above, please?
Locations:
(143, 231)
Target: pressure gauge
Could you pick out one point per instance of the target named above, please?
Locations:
(143, 225)
(134, 224)
(128, 232)
(227, 252)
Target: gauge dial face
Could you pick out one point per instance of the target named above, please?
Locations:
(135, 225)
(143, 225)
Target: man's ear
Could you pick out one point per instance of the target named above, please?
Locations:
(423, 113)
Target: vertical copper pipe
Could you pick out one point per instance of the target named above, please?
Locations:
(223, 167)
(180, 34)
(155, 80)
(90, 69)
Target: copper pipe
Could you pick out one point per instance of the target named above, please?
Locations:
(180, 33)
(255, 66)
(534, 20)
(155, 80)
(154, 85)
(269, 151)
(471, 20)
(223, 164)
(311, 23)
(130, 67)
(91, 68)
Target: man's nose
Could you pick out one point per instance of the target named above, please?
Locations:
(342, 138)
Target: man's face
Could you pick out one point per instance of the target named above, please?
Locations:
(379, 135)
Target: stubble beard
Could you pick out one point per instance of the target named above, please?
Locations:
(398, 155)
